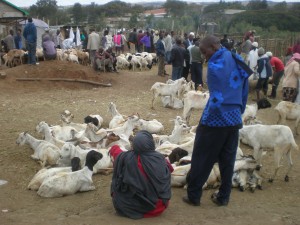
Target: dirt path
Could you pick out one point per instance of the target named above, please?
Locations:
(24, 104)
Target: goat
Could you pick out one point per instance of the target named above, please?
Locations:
(161, 89)
(117, 119)
(277, 137)
(152, 126)
(97, 120)
(45, 152)
(251, 110)
(193, 100)
(288, 110)
(45, 173)
(44, 129)
(71, 182)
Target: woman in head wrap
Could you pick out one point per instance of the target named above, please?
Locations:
(141, 183)
(290, 81)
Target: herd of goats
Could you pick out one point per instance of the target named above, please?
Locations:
(70, 153)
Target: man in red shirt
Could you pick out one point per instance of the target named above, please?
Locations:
(278, 71)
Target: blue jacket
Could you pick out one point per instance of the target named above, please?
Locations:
(228, 88)
(160, 48)
(264, 68)
(29, 33)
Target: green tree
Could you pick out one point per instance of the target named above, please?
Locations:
(133, 21)
(45, 9)
(175, 8)
(77, 13)
(257, 5)
(281, 6)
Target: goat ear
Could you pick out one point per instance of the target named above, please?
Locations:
(25, 132)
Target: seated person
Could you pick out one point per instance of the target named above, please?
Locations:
(141, 182)
(103, 59)
(48, 48)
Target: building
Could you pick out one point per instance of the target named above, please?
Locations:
(157, 13)
(10, 16)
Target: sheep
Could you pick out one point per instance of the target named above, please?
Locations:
(45, 152)
(178, 176)
(288, 110)
(193, 100)
(277, 137)
(152, 126)
(71, 182)
(117, 119)
(251, 110)
(161, 89)
(44, 173)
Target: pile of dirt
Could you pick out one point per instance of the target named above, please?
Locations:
(53, 70)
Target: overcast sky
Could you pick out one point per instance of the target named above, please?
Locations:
(24, 3)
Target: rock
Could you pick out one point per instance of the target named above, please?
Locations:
(2, 75)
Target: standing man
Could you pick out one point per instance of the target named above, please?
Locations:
(187, 43)
(18, 39)
(177, 59)
(160, 53)
(218, 130)
(29, 33)
(93, 44)
(252, 59)
(168, 46)
(9, 41)
(132, 39)
(196, 66)
(278, 71)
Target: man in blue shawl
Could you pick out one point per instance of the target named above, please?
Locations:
(217, 133)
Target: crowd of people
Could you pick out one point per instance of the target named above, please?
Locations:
(141, 179)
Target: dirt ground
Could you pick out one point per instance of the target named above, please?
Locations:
(23, 104)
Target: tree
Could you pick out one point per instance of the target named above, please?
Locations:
(257, 5)
(77, 13)
(44, 9)
(133, 20)
(175, 8)
(281, 6)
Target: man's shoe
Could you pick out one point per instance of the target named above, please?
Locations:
(188, 201)
(214, 198)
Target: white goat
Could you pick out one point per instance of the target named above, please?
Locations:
(117, 119)
(288, 110)
(71, 182)
(251, 110)
(44, 151)
(43, 128)
(70, 151)
(45, 173)
(152, 126)
(193, 100)
(162, 89)
(277, 137)
(127, 128)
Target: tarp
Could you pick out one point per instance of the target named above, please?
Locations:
(78, 39)
(37, 23)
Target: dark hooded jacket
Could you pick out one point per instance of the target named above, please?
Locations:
(136, 192)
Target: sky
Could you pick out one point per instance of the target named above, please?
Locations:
(26, 3)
